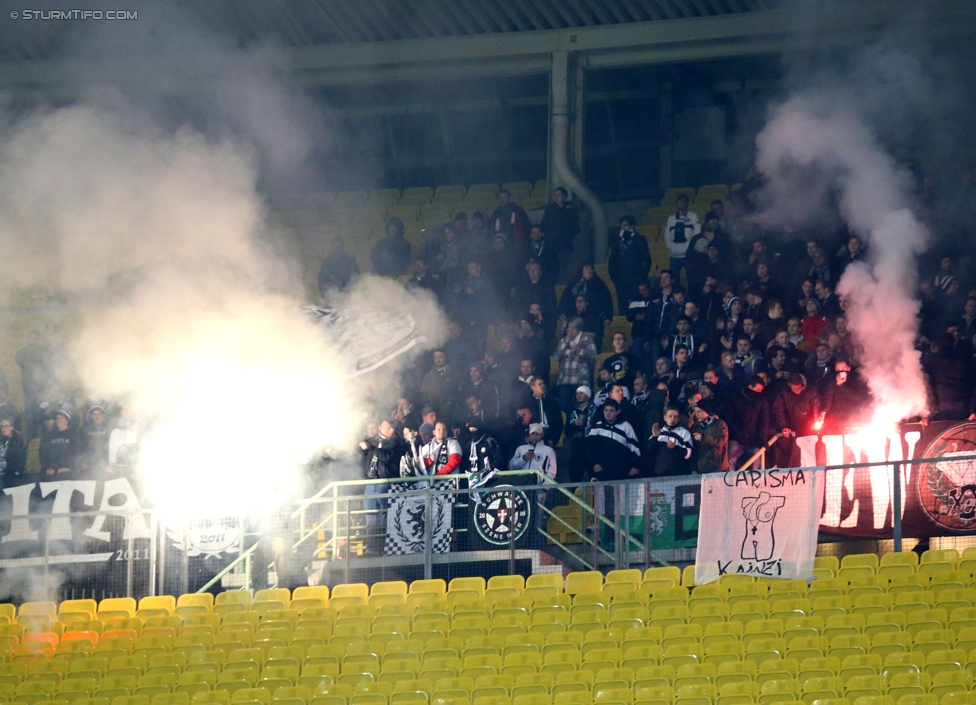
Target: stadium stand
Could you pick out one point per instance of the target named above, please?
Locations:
(624, 637)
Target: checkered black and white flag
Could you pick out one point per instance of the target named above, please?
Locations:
(406, 523)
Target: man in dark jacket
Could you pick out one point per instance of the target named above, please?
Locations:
(795, 409)
(612, 453)
(481, 455)
(60, 449)
(670, 445)
(612, 448)
(424, 279)
(337, 270)
(534, 290)
(381, 461)
(510, 220)
(96, 433)
(629, 262)
(711, 436)
(391, 254)
(485, 391)
(545, 410)
(749, 421)
(949, 378)
(543, 252)
(579, 420)
(561, 224)
(36, 362)
(440, 386)
(844, 399)
(8, 410)
(13, 454)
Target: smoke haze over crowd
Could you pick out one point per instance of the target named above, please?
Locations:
(833, 155)
(154, 228)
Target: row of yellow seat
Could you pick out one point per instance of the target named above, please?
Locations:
(691, 696)
(419, 195)
(599, 668)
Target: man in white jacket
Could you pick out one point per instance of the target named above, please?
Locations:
(535, 455)
(681, 227)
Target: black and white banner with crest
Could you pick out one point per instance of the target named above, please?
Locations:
(406, 521)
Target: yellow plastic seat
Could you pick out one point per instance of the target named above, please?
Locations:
(319, 593)
(864, 686)
(738, 693)
(86, 606)
(838, 624)
(194, 603)
(823, 667)
(945, 682)
(474, 584)
(826, 606)
(828, 587)
(672, 596)
(164, 603)
(435, 586)
(45, 609)
(776, 670)
(631, 576)
(233, 597)
(276, 594)
(870, 560)
(126, 605)
(821, 688)
(779, 691)
(947, 555)
(354, 590)
(584, 581)
(830, 563)
(907, 559)
(664, 573)
(217, 697)
(171, 699)
(545, 580)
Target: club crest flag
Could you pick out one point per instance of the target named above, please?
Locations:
(761, 523)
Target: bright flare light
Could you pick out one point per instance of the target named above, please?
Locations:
(235, 437)
(234, 400)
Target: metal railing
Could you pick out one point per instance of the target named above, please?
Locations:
(636, 522)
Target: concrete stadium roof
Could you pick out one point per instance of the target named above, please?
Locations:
(315, 22)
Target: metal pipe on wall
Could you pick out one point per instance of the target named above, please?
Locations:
(560, 170)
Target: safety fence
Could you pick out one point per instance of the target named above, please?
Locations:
(413, 528)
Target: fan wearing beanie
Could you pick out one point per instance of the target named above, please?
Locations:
(60, 449)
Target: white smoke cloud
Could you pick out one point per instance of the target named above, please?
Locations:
(819, 132)
(156, 236)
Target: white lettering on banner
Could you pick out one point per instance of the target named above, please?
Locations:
(135, 520)
(59, 528)
(118, 499)
(758, 523)
(874, 449)
(773, 479)
(19, 524)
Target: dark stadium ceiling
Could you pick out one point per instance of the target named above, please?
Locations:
(337, 21)
(303, 23)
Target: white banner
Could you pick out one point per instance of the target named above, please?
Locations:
(761, 523)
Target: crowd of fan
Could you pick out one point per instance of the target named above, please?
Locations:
(99, 441)
(755, 346)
